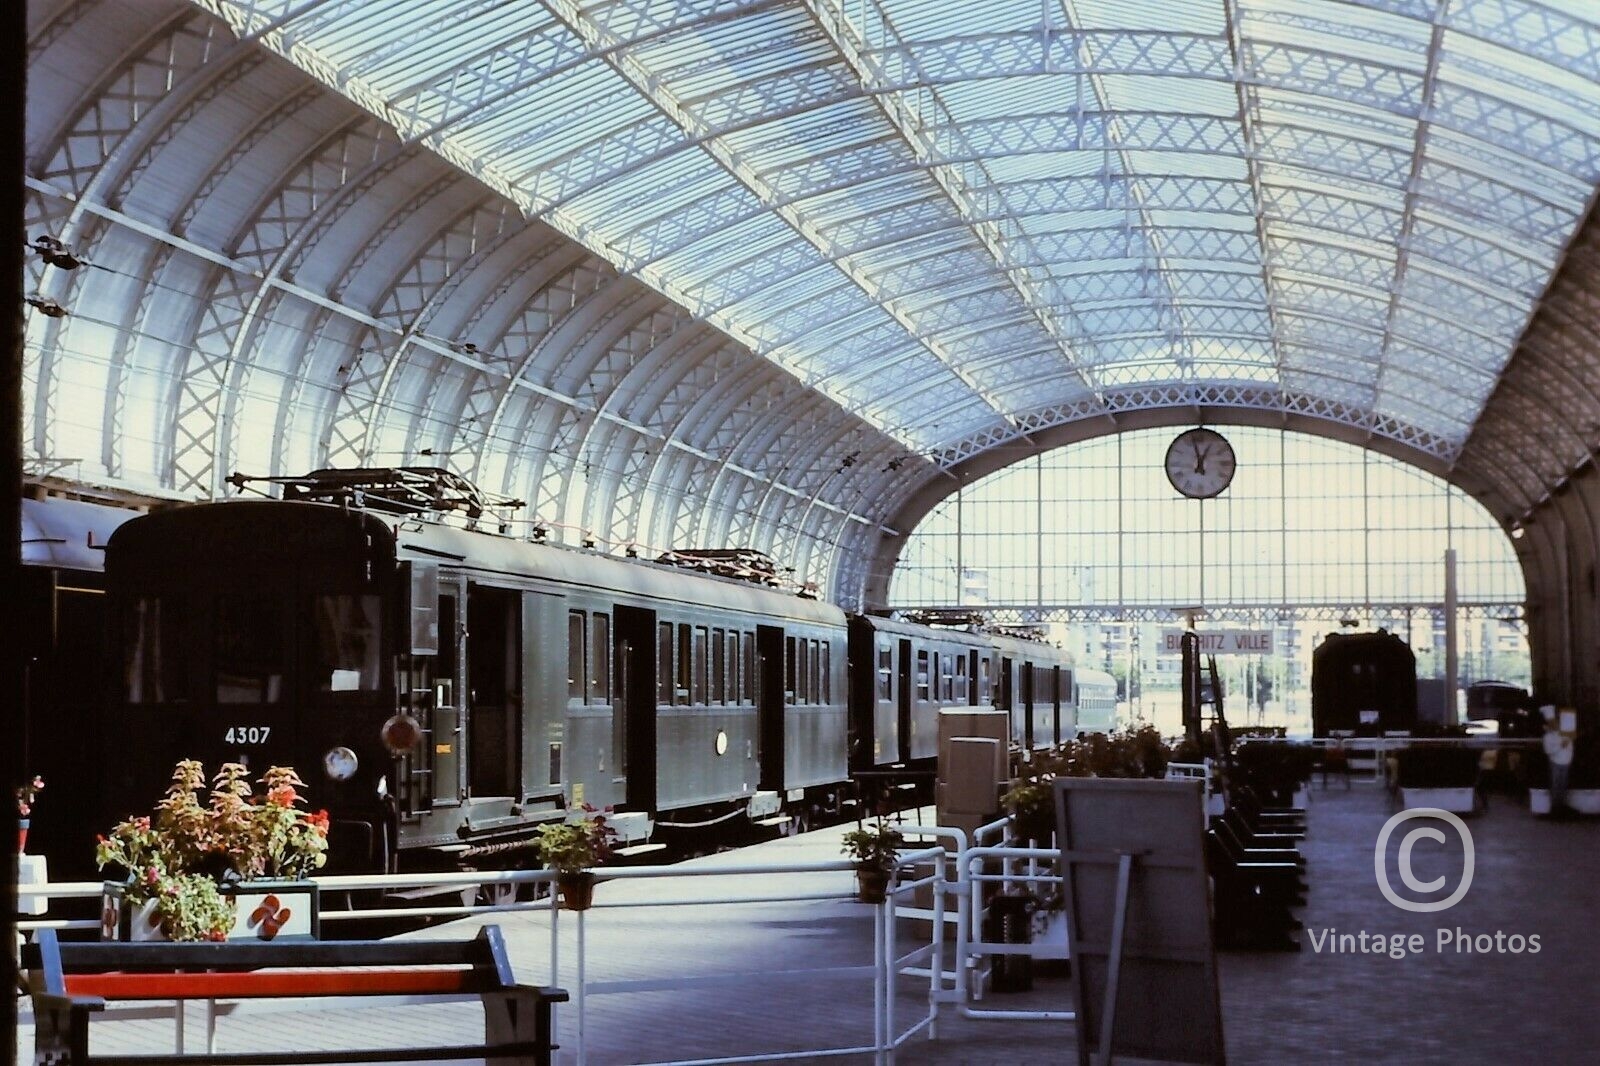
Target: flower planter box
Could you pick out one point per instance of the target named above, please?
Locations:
(1454, 800)
(1582, 800)
(266, 910)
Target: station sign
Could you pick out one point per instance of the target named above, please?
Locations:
(1220, 641)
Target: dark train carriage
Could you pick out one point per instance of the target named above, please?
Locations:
(452, 688)
(60, 621)
(1364, 683)
(902, 675)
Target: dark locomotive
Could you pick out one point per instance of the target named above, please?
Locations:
(1363, 684)
(446, 690)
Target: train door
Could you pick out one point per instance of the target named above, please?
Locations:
(1067, 700)
(972, 678)
(1008, 693)
(442, 733)
(494, 693)
(1055, 704)
(1028, 701)
(770, 705)
(633, 706)
(904, 710)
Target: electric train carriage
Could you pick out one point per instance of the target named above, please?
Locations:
(1096, 698)
(448, 689)
(444, 691)
(902, 674)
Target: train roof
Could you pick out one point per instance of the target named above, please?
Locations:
(919, 629)
(68, 534)
(656, 581)
(1022, 647)
(1018, 646)
(1092, 676)
(489, 554)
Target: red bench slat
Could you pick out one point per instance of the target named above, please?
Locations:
(270, 983)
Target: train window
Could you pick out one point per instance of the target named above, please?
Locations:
(788, 673)
(747, 686)
(961, 679)
(575, 649)
(664, 664)
(947, 677)
(153, 664)
(685, 662)
(698, 694)
(885, 673)
(247, 645)
(719, 665)
(983, 681)
(922, 675)
(827, 682)
(347, 643)
(600, 656)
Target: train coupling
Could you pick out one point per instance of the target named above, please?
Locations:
(764, 805)
(632, 826)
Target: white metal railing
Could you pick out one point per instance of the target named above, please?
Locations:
(883, 970)
(960, 981)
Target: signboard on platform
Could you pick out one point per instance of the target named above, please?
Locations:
(1139, 919)
(1220, 642)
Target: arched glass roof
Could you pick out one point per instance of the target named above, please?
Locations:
(967, 222)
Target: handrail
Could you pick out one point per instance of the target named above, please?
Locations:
(884, 968)
(1396, 742)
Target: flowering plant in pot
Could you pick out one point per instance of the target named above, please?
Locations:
(191, 864)
(572, 848)
(875, 849)
(27, 796)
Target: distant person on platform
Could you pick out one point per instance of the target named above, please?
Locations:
(1560, 729)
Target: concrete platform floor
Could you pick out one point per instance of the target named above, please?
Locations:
(1532, 878)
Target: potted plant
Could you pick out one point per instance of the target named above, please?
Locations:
(1030, 803)
(235, 866)
(875, 849)
(572, 848)
(27, 795)
(1443, 778)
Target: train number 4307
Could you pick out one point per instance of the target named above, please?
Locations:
(247, 734)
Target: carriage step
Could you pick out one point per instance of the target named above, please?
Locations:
(639, 849)
(775, 820)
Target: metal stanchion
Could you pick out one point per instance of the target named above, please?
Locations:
(582, 1051)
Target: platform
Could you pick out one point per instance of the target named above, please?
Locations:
(1533, 877)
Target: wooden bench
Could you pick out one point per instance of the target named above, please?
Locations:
(72, 981)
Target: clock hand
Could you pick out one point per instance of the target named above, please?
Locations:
(1199, 460)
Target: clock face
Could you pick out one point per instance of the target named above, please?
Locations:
(1200, 463)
